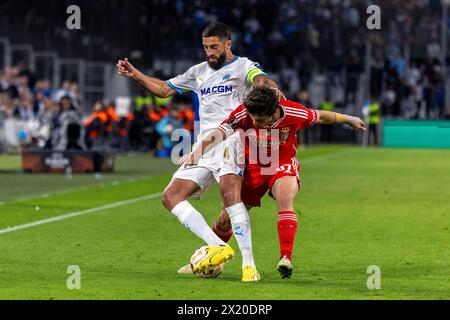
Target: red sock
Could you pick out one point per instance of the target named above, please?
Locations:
(287, 228)
(222, 233)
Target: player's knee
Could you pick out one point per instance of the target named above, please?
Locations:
(166, 201)
(230, 197)
(284, 200)
(170, 199)
(231, 192)
(285, 203)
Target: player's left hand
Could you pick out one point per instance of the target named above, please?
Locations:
(188, 160)
(280, 94)
(357, 124)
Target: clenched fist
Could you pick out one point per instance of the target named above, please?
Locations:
(126, 69)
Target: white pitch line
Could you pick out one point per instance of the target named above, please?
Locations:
(56, 193)
(80, 213)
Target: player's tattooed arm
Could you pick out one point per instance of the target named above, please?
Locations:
(215, 137)
(328, 117)
(263, 80)
(157, 87)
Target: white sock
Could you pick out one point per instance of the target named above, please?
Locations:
(242, 230)
(194, 221)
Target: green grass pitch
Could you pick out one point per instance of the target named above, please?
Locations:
(358, 208)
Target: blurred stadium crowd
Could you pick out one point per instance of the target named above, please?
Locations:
(35, 116)
(302, 44)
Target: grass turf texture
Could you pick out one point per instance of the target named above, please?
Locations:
(359, 207)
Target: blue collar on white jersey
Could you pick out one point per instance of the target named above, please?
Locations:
(228, 63)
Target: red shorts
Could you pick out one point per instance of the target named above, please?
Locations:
(256, 185)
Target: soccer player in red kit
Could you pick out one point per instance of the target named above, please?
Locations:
(269, 129)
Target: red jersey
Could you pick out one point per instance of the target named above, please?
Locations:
(280, 137)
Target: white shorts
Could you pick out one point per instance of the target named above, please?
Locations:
(226, 158)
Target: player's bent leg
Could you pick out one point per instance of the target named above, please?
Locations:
(174, 199)
(284, 191)
(177, 191)
(230, 188)
(204, 177)
(249, 274)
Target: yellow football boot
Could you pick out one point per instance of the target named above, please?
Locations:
(249, 274)
(214, 257)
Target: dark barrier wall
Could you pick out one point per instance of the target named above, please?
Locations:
(417, 134)
(58, 162)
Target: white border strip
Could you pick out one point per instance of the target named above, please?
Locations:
(80, 213)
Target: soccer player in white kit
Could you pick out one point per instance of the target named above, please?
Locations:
(221, 83)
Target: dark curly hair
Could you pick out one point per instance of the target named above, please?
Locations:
(217, 29)
(261, 101)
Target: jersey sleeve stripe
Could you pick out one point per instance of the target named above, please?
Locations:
(178, 90)
(241, 118)
(316, 117)
(297, 115)
(296, 111)
(243, 112)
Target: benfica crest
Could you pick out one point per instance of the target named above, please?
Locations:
(284, 135)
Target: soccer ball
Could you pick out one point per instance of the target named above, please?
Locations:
(198, 256)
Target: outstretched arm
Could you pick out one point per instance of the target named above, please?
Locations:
(155, 86)
(215, 137)
(328, 117)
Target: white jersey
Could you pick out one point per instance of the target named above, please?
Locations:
(219, 91)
